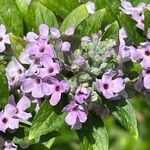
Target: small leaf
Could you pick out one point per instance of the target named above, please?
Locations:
(112, 32)
(123, 111)
(75, 18)
(38, 14)
(135, 34)
(93, 135)
(10, 16)
(45, 121)
(17, 45)
(91, 24)
(60, 7)
(146, 20)
(4, 92)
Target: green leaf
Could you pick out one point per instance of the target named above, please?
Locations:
(123, 111)
(75, 18)
(146, 20)
(11, 17)
(135, 34)
(112, 32)
(4, 92)
(93, 135)
(91, 24)
(38, 14)
(45, 121)
(60, 7)
(17, 45)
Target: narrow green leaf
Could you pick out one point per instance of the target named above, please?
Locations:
(135, 34)
(38, 14)
(45, 121)
(112, 32)
(3, 87)
(60, 7)
(93, 135)
(11, 17)
(146, 20)
(124, 113)
(75, 18)
(91, 24)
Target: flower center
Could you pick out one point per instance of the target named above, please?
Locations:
(147, 53)
(38, 81)
(4, 120)
(106, 86)
(1, 38)
(50, 70)
(19, 71)
(57, 88)
(148, 71)
(42, 49)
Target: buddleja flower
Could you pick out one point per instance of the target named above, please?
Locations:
(55, 89)
(42, 37)
(77, 115)
(54, 33)
(110, 87)
(4, 38)
(7, 120)
(90, 7)
(82, 94)
(7, 145)
(21, 106)
(15, 72)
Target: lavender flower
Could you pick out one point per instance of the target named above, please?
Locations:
(55, 90)
(65, 46)
(42, 37)
(69, 31)
(15, 72)
(80, 61)
(21, 106)
(90, 7)
(4, 38)
(82, 94)
(50, 68)
(7, 145)
(77, 115)
(7, 120)
(110, 87)
(54, 33)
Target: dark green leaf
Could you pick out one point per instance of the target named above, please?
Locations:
(60, 7)
(124, 113)
(135, 34)
(75, 18)
(91, 24)
(38, 14)
(11, 17)
(45, 121)
(112, 32)
(3, 87)
(93, 135)
(146, 20)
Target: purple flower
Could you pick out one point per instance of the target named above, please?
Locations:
(90, 6)
(50, 68)
(15, 73)
(146, 79)
(4, 38)
(82, 94)
(80, 61)
(7, 119)
(21, 106)
(35, 86)
(144, 53)
(86, 39)
(54, 33)
(65, 46)
(110, 87)
(148, 33)
(42, 37)
(69, 31)
(7, 145)
(55, 90)
(76, 115)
